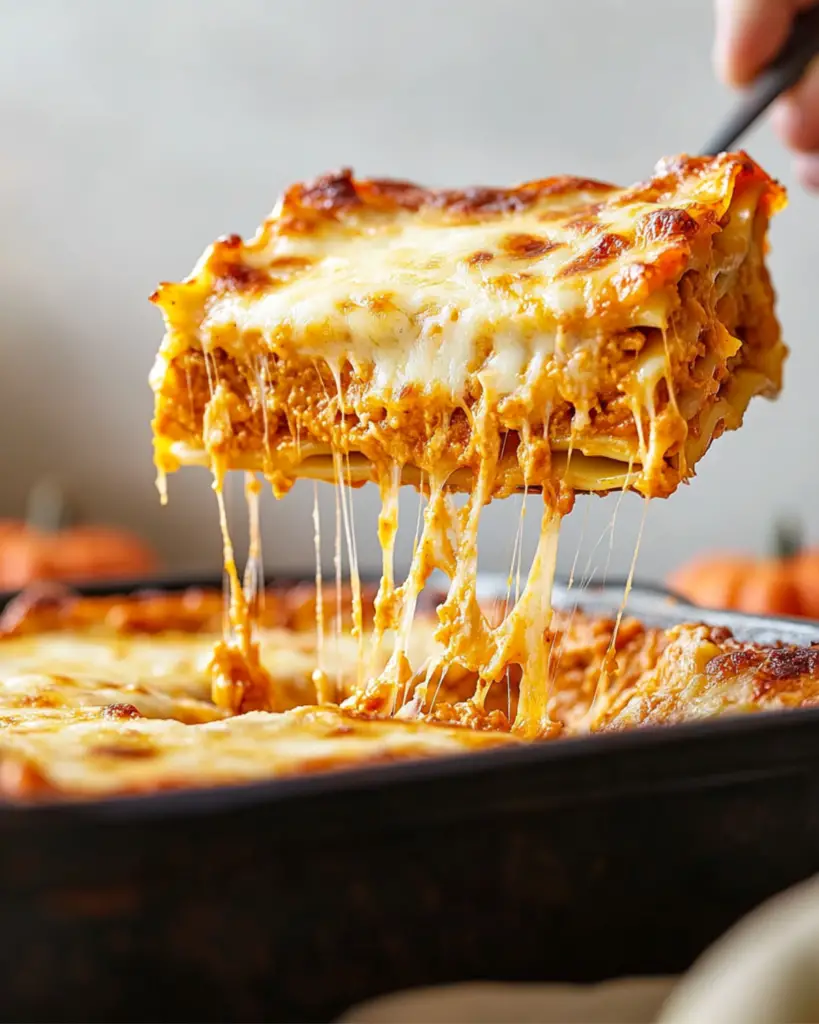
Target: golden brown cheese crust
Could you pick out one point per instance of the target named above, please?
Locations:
(407, 324)
(306, 205)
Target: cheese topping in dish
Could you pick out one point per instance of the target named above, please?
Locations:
(155, 651)
(101, 757)
(97, 699)
(561, 335)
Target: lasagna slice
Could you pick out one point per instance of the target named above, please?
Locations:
(564, 331)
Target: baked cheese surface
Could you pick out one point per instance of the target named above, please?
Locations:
(116, 754)
(69, 729)
(415, 284)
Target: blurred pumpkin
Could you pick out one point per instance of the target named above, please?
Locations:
(47, 547)
(11, 528)
(787, 583)
(78, 553)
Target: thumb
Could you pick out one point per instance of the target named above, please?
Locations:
(749, 34)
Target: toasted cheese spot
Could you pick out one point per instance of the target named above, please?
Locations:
(285, 265)
(484, 201)
(121, 712)
(664, 224)
(479, 258)
(771, 668)
(792, 663)
(605, 250)
(237, 276)
(522, 246)
(330, 193)
(125, 746)
(584, 224)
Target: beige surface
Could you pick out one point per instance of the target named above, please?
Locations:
(763, 971)
(634, 1000)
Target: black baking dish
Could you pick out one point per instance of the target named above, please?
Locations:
(579, 860)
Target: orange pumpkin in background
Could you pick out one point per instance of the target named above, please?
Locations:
(76, 554)
(46, 546)
(786, 583)
(806, 570)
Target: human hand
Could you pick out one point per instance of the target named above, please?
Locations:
(749, 34)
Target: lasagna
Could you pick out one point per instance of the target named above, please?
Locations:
(564, 331)
(561, 335)
(111, 696)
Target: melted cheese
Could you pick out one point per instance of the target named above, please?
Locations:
(320, 678)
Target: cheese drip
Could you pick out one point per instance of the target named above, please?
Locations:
(449, 542)
(396, 606)
(324, 689)
(239, 681)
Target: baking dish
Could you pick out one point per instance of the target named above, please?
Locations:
(579, 860)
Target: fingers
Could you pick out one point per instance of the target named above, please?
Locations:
(749, 34)
(807, 170)
(796, 120)
(796, 116)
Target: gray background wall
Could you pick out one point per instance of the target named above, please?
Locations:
(135, 132)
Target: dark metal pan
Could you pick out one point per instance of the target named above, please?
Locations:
(574, 861)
